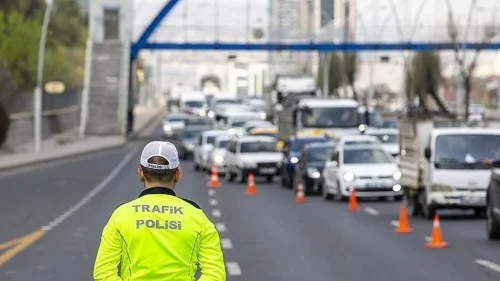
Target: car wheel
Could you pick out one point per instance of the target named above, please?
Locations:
(196, 167)
(339, 196)
(480, 212)
(229, 176)
(269, 179)
(492, 224)
(326, 195)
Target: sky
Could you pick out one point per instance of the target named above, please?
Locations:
(197, 19)
(431, 22)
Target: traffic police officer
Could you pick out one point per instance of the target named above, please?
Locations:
(159, 236)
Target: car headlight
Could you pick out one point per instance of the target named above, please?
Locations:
(294, 160)
(218, 159)
(313, 173)
(263, 116)
(397, 175)
(348, 177)
(232, 131)
(202, 112)
(167, 128)
(211, 114)
(189, 146)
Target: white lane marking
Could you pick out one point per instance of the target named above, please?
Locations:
(427, 238)
(216, 213)
(488, 264)
(226, 243)
(213, 202)
(211, 192)
(221, 227)
(55, 222)
(371, 211)
(395, 223)
(233, 268)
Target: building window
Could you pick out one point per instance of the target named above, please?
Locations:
(111, 24)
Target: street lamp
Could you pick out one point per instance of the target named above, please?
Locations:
(38, 95)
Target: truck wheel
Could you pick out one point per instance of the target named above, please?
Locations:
(429, 212)
(412, 205)
(492, 224)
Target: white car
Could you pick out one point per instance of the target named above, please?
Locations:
(174, 124)
(218, 153)
(355, 140)
(236, 124)
(203, 146)
(389, 139)
(369, 169)
(252, 154)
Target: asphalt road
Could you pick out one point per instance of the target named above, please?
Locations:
(265, 237)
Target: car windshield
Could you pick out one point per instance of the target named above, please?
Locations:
(386, 138)
(194, 104)
(265, 134)
(189, 134)
(367, 156)
(389, 124)
(319, 154)
(375, 118)
(466, 151)
(175, 119)
(354, 142)
(199, 121)
(211, 139)
(238, 124)
(219, 102)
(222, 144)
(335, 117)
(298, 144)
(258, 146)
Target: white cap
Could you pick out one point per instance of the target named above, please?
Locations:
(160, 149)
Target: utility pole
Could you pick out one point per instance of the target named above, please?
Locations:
(38, 95)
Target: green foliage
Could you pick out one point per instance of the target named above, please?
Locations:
(19, 40)
(335, 76)
(425, 74)
(20, 27)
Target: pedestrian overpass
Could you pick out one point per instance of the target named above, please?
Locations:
(111, 62)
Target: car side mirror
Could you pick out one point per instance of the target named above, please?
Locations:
(427, 153)
(332, 164)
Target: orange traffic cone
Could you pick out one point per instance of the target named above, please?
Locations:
(251, 188)
(214, 178)
(404, 225)
(353, 201)
(299, 196)
(436, 236)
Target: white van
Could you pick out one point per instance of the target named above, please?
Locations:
(193, 103)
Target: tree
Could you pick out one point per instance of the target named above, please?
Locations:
(335, 75)
(424, 80)
(6, 93)
(350, 63)
(467, 69)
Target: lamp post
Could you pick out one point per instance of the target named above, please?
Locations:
(38, 94)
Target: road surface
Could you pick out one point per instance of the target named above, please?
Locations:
(51, 219)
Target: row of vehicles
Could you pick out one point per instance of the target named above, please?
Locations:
(334, 145)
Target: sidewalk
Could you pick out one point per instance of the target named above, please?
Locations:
(70, 144)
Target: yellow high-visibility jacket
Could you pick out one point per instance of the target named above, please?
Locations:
(159, 237)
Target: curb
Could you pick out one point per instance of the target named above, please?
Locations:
(56, 158)
(148, 123)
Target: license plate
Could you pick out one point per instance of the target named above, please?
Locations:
(472, 199)
(374, 185)
(267, 170)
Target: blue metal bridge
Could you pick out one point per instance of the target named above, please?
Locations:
(143, 43)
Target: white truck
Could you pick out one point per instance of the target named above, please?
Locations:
(174, 94)
(445, 167)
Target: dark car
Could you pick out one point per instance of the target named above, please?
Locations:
(199, 121)
(389, 124)
(291, 154)
(311, 164)
(493, 203)
(188, 139)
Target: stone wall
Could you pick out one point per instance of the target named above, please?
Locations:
(54, 122)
